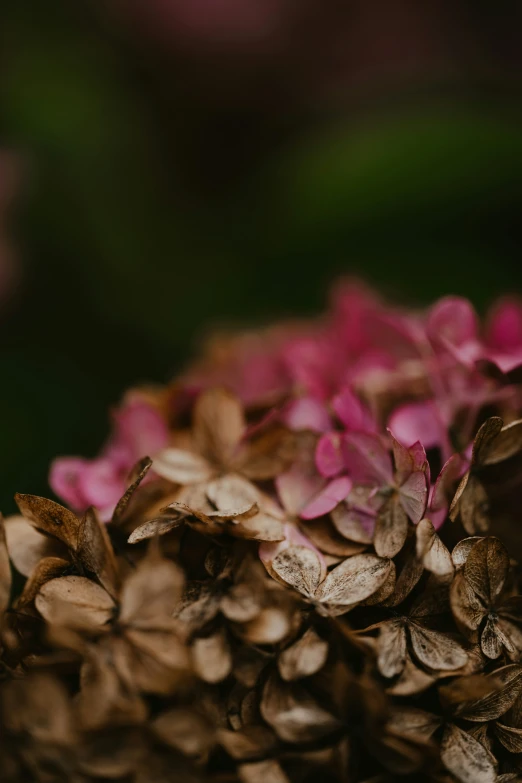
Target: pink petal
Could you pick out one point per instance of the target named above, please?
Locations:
(366, 458)
(307, 413)
(64, 481)
(328, 498)
(329, 455)
(351, 412)
(418, 421)
(504, 327)
(101, 483)
(141, 429)
(296, 487)
(454, 320)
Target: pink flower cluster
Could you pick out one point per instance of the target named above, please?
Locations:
(393, 397)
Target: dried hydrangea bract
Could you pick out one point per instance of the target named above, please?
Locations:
(299, 561)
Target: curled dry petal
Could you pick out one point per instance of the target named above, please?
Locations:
(137, 474)
(95, 552)
(27, 546)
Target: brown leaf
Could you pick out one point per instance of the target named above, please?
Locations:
(391, 657)
(137, 475)
(212, 657)
(5, 571)
(219, 425)
(95, 552)
(466, 758)
(486, 568)
(293, 714)
(75, 602)
(432, 552)
(506, 684)
(50, 518)
(303, 658)
(391, 528)
(436, 650)
(182, 467)
(300, 568)
(355, 579)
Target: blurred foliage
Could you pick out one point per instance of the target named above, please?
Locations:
(151, 209)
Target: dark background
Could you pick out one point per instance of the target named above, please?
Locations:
(184, 163)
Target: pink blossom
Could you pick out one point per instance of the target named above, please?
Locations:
(138, 431)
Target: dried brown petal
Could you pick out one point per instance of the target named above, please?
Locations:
(242, 603)
(293, 714)
(219, 425)
(410, 573)
(347, 520)
(391, 658)
(412, 680)
(300, 568)
(269, 454)
(95, 552)
(325, 537)
(436, 650)
(155, 661)
(485, 439)
(510, 737)
(151, 593)
(466, 758)
(411, 720)
(432, 552)
(473, 506)
(303, 658)
(198, 605)
(391, 528)
(212, 657)
(182, 467)
(50, 518)
(137, 475)
(486, 568)
(232, 492)
(271, 626)
(75, 602)
(490, 640)
(465, 689)
(27, 546)
(461, 550)
(159, 526)
(506, 444)
(506, 686)
(355, 579)
(48, 568)
(466, 606)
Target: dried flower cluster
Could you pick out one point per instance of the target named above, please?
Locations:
(298, 562)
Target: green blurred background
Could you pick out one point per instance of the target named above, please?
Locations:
(184, 163)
